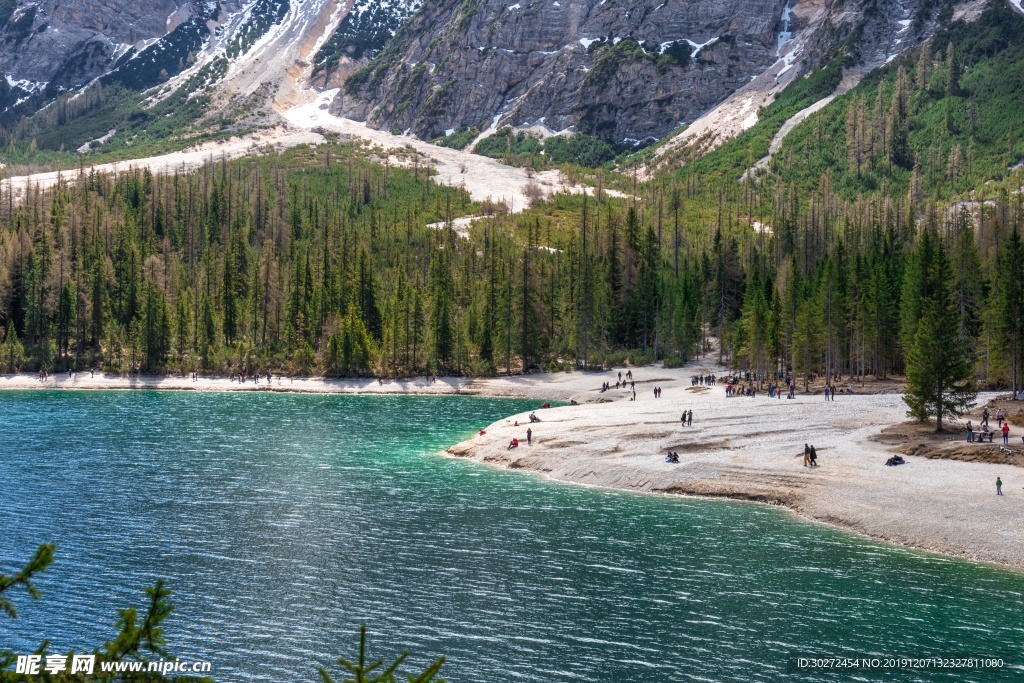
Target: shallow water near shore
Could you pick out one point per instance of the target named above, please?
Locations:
(283, 522)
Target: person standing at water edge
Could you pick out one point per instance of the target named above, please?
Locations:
(999, 486)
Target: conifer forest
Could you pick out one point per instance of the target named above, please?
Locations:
(882, 237)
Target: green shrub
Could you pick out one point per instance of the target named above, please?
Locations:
(641, 357)
(459, 139)
(507, 142)
(581, 149)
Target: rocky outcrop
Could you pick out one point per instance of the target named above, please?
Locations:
(627, 71)
(873, 31)
(363, 33)
(69, 42)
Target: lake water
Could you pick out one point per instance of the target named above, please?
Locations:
(283, 522)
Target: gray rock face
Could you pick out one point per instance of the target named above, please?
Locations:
(873, 31)
(69, 42)
(616, 68)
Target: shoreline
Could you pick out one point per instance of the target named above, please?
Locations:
(741, 449)
(539, 386)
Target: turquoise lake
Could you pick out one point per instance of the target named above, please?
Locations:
(283, 522)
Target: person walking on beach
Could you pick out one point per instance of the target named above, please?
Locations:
(529, 436)
(1006, 432)
(999, 486)
(999, 416)
(689, 418)
(807, 455)
(814, 457)
(683, 419)
(984, 419)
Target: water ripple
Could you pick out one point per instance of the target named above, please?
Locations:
(283, 522)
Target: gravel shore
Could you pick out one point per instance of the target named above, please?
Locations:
(739, 447)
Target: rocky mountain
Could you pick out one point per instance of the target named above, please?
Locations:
(62, 44)
(363, 33)
(626, 71)
(56, 46)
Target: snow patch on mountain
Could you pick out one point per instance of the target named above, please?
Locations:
(364, 31)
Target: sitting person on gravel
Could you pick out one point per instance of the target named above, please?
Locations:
(895, 460)
(513, 444)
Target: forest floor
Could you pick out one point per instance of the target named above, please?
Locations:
(738, 447)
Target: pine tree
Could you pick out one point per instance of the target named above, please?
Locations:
(156, 328)
(808, 339)
(1006, 321)
(12, 353)
(939, 370)
(368, 309)
(898, 124)
(915, 288)
(952, 71)
(441, 310)
(968, 281)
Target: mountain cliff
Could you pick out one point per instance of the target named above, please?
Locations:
(627, 72)
(62, 44)
(59, 46)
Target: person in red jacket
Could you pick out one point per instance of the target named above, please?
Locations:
(1006, 432)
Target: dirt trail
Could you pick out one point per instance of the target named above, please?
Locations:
(262, 142)
(739, 111)
(850, 80)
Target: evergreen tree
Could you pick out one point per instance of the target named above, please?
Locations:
(368, 309)
(939, 369)
(441, 310)
(12, 353)
(1006, 322)
(915, 288)
(969, 285)
(156, 329)
(952, 71)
